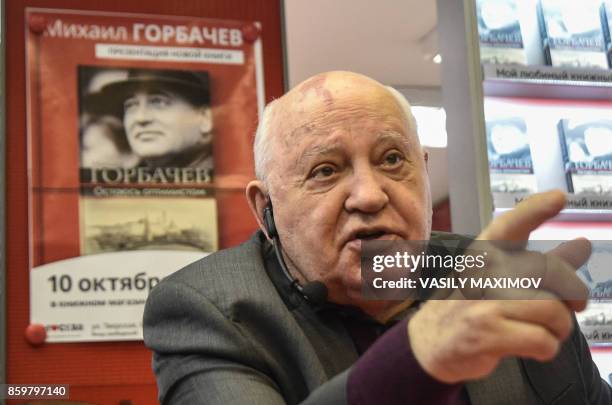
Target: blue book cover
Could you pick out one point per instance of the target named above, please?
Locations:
(510, 163)
(586, 147)
(501, 40)
(573, 33)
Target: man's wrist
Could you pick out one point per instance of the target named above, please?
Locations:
(389, 373)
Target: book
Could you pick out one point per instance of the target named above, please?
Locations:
(510, 163)
(573, 33)
(607, 25)
(499, 29)
(596, 322)
(586, 147)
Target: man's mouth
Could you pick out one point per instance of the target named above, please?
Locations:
(148, 135)
(369, 235)
(357, 237)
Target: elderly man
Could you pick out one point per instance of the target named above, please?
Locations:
(338, 162)
(166, 116)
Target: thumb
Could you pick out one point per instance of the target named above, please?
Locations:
(517, 224)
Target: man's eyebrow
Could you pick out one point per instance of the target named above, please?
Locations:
(318, 150)
(159, 92)
(328, 149)
(393, 135)
(149, 92)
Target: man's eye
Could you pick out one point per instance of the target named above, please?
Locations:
(159, 101)
(393, 159)
(129, 104)
(323, 172)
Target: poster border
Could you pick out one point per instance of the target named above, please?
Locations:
(3, 202)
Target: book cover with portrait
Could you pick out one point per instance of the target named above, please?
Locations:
(134, 121)
(573, 33)
(509, 153)
(586, 147)
(499, 29)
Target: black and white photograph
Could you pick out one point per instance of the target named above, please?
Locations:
(142, 117)
(120, 224)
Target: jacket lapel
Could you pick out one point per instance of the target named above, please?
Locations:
(519, 381)
(505, 385)
(557, 382)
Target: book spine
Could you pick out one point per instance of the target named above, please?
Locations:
(565, 155)
(605, 34)
(607, 26)
(544, 33)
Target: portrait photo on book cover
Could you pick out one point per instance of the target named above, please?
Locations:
(498, 21)
(508, 143)
(589, 141)
(144, 117)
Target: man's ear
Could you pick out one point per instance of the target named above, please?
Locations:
(206, 120)
(257, 197)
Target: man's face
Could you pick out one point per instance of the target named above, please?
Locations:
(346, 168)
(161, 122)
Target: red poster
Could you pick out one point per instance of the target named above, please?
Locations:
(137, 126)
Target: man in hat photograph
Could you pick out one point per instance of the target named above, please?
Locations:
(166, 115)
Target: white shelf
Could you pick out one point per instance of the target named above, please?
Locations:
(581, 208)
(547, 82)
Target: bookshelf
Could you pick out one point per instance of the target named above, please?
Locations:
(481, 85)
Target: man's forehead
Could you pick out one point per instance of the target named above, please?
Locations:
(314, 146)
(153, 91)
(331, 100)
(326, 89)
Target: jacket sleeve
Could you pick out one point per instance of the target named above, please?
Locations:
(202, 357)
(598, 391)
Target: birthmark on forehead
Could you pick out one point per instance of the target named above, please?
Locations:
(317, 85)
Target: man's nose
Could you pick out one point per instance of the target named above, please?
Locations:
(366, 193)
(141, 113)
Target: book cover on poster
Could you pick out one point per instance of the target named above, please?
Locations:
(499, 29)
(509, 152)
(586, 147)
(573, 33)
(131, 133)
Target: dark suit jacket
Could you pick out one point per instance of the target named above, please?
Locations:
(223, 332)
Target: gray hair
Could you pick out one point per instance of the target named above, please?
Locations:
(262, 148)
